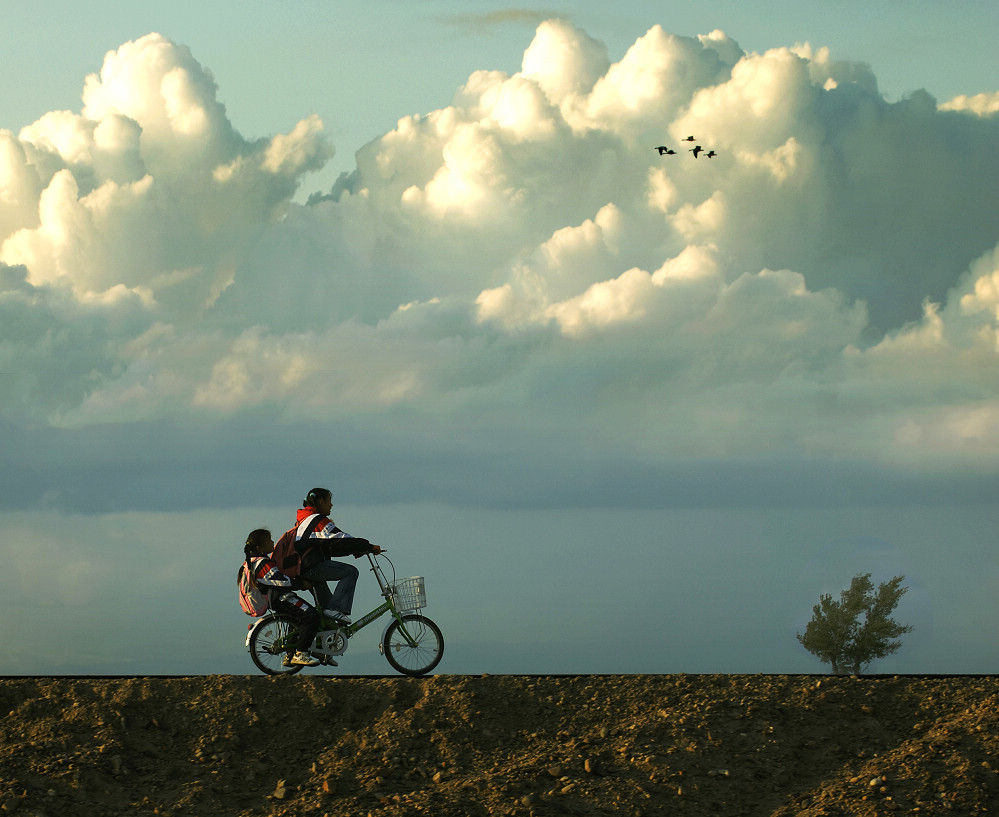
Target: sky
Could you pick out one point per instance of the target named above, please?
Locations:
(627, 412)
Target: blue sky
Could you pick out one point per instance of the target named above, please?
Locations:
(626, 412)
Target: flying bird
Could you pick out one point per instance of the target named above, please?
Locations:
(696, 149)
(663, 149)
(710, 154)
(689, 139)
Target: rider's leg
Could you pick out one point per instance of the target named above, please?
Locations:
(345, 575)
(305, 616)
(343, 596)
(320, 590)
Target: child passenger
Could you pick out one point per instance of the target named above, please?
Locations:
(279, 591)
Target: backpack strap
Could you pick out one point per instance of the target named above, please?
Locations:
(251, 572)
(310, 529)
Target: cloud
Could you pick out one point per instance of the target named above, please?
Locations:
(981, 104)
(149, 187)
(519, 277)
(563, 61)
(487, 21)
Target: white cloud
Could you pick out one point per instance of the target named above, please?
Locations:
(980, 104)
(523, 260)
(655, 78)
(149, 187)
(563, 61)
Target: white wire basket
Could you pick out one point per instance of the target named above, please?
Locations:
(409, 594)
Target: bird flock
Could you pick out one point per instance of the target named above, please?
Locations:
(696, 149)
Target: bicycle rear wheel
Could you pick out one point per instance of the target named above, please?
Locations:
(270, 641)
(415, 650)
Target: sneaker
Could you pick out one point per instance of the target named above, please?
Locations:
(286, 660)
(340, 618)
(303, 659)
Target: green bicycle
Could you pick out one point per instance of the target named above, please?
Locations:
(411, 643)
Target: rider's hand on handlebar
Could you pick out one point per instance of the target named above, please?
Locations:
(375, 549)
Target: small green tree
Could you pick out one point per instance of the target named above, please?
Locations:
(852, 632)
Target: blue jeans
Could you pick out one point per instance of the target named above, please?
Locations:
(345, 576)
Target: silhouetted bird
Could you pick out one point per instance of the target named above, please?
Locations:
(663, 149)
(689, 139)
(710, 154)
(696, 149)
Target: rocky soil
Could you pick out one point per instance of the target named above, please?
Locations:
(511, 745)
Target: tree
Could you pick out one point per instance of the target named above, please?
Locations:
(852, 632)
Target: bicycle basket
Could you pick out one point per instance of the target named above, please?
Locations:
(409, 594)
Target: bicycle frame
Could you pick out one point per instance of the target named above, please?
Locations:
(387, 606)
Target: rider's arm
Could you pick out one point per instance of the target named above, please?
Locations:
(348, 546)
(268, 575)
(336, 542)
(328, 530)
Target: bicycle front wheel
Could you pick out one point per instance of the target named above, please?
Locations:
(415, 646)
(270, 641)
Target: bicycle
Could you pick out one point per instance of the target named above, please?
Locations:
(411, 642)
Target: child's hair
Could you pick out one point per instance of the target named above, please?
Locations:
(255, 539)
(315, 496)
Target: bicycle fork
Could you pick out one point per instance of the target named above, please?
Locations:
(410, 641)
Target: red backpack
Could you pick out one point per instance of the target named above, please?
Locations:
(285, 556)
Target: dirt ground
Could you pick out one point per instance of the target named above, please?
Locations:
(512, 745)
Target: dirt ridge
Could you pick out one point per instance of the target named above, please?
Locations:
(519, 745)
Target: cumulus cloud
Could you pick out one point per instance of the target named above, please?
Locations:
(523, 263)
(149, 187)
